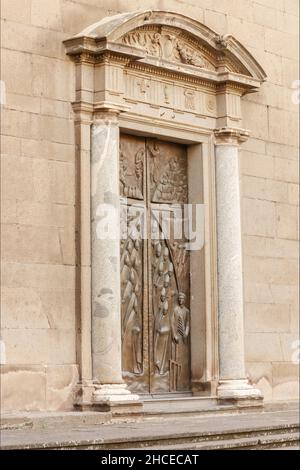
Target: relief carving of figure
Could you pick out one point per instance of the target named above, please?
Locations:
(163, 282)
(180, 330)
(163, 268)
(155, 45)
(139, 164)
(188, 56)
(180, 257)
(123, 171)
(131, 175)
(180, 321)
(161, 334)
(154, 152)
(130, 299)
(172, 185)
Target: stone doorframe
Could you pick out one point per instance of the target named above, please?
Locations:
(161, 74)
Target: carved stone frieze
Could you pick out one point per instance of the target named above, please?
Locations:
(166, 45)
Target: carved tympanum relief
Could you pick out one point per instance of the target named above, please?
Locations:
(167, 44)
(155, 268)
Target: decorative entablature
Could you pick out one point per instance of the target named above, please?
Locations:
(165, 66)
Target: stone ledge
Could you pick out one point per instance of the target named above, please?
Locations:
(282, 427)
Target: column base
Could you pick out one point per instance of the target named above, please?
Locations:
(239, 392)
(201, 388)
(117, 399)
(83, 395)
(113, 398)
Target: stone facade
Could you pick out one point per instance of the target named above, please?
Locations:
(42, 347)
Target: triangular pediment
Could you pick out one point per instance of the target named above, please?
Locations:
(167, 37)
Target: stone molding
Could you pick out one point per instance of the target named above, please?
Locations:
(105, 35)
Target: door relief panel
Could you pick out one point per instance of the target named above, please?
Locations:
(154, 266)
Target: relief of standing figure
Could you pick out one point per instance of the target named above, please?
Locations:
(180, 326)
(180, 321)
(161, 334)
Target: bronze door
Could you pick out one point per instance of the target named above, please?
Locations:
(155, 267)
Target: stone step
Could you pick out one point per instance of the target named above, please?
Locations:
(285, 440)
(256, 436)
(261, 437)
(43, 420)
(183, 405)
(263, 430)
(153, 407)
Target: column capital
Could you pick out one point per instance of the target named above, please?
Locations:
(108, 111)
(230, 136)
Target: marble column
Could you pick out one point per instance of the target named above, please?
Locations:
(110, 390)
(233, 384)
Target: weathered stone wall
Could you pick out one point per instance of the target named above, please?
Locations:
(38, 191)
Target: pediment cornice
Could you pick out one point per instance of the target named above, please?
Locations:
(170, 42)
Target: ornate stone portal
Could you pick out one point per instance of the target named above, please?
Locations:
(145, 325)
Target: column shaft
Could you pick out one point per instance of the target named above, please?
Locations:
(106, 322)
(233, 384)
(230, 282)
(105, 243)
